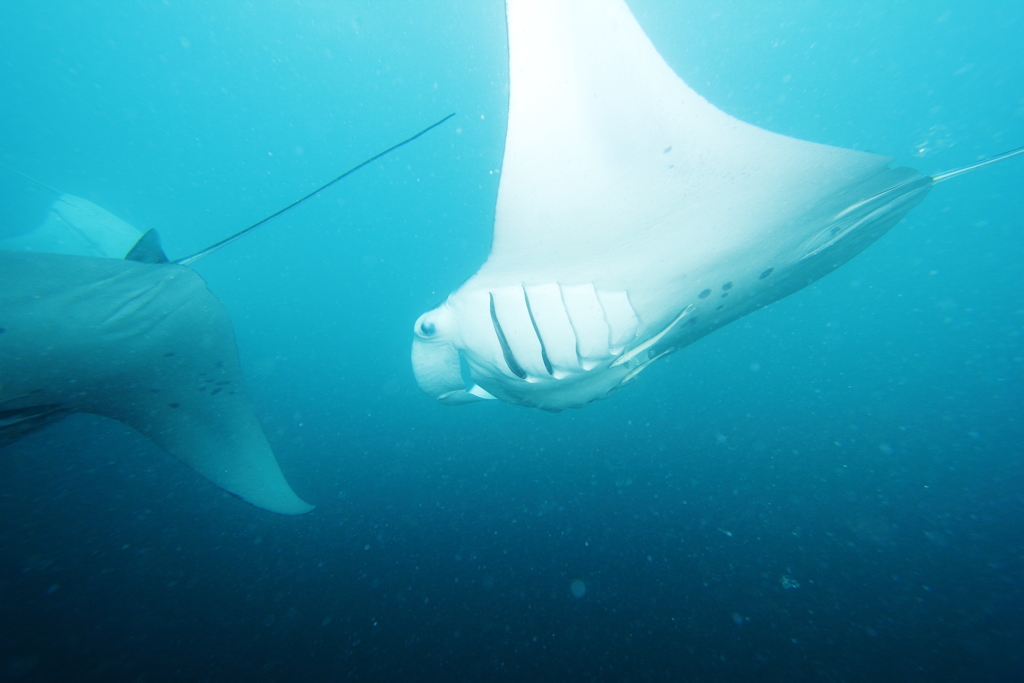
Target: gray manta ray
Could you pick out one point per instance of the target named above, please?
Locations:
(633, 218)
(144, 343)
(137, 339)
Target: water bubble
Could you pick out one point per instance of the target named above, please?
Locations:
(935, 139)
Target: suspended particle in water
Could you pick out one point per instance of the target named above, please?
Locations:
(578, 589)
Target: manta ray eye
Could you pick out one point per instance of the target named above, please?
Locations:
(427, 329)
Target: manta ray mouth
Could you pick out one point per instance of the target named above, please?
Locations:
(550, 346)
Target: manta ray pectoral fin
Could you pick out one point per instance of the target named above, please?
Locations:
(72, 225)
(222, 441)
(148, 345)
(201, 413)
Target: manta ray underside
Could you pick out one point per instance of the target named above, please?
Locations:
(634, 217)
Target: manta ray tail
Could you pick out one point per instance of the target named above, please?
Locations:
(189, 260)
(939, 177)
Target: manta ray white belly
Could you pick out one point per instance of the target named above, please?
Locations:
(634, 217)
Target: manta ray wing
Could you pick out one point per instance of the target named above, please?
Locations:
(145, 344)
(633, 217)
(72, 225)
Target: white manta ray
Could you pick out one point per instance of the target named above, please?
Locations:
(634, 217)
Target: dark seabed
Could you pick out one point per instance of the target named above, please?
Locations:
(831, 489)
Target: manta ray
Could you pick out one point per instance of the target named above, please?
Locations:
(95, 319)
(633, 218)
(143, 343)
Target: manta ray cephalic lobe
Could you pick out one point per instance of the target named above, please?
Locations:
(634, 217)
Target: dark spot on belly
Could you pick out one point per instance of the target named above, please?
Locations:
(705, 294)
(720, 308)
(174, 405)
(765, 274)
(692, 321)
(727, 286)
(2, 330)
(725, 294)
(667, 150)
(215, 392)
(168, 354)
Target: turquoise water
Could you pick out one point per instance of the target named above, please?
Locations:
(829, 489)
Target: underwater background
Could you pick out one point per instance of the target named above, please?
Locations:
(831, 489)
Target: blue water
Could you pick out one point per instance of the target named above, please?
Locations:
(831, 489)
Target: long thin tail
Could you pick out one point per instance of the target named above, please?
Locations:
(939, 177)
(40, 183)
(228, 240)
